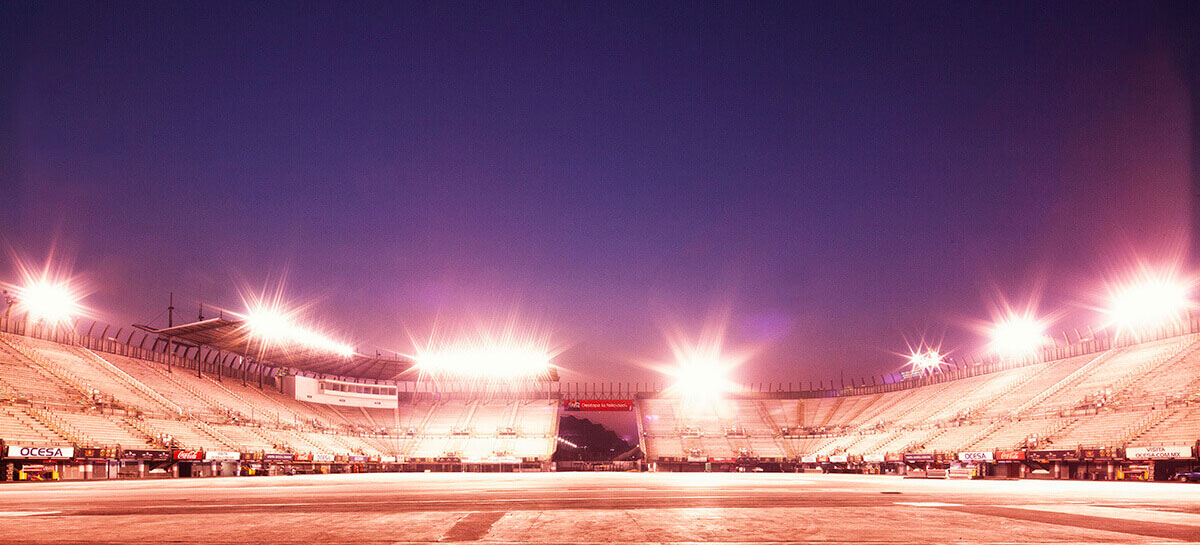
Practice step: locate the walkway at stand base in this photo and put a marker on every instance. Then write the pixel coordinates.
(597, 508)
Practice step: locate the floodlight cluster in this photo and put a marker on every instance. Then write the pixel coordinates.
(277, 328)
(1150, 300)
(47, 294)
(485, 361)
(49, 302)
(507, 353)
(926, 360)
(701, 371)
(1138, 302)
(1017, 336)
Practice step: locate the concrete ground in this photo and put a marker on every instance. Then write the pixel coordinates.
(597, 508)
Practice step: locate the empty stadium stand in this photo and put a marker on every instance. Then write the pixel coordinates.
(1140, 393)
(1136, 394)
(54, 393)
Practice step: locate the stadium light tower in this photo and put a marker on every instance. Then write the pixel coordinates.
(49, 302)
(924, 361)
(495, 354)
(1017, 336)
(1151, 302)
(274, 327)
(702, 366)
(702, 380)
(488, 362)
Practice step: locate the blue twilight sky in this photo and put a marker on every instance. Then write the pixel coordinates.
(828, 179)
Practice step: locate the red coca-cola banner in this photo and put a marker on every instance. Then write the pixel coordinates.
(187, 454)
(598, 404)
(1011, 455)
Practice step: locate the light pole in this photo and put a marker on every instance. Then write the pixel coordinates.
(9, 300)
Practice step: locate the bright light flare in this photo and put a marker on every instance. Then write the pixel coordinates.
(1017, 336)
(702, 380)
(486, 361)
(506, 353)
(1153, 301)
(48, 293)
(275, 327)
(702, 368)
(49, 302)
(926, 361)
(271, 321)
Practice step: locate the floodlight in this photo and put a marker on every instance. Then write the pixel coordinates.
(1017, 336)
(275, 327)
(925, 361)
(269, 324)
(49, 302)
(702, 379)
(483, 361)
(1149, 303)
(500, 352)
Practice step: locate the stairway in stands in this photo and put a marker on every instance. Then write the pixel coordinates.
(57, 382)
(117, 374)
(1067, 381)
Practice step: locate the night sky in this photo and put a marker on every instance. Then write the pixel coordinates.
(827, 180)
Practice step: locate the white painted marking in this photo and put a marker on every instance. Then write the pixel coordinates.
(927, 504)
(1119, 513)
(26, 513)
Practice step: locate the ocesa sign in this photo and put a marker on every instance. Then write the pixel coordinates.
(40, 453)
(975, 457)
(1160, 452)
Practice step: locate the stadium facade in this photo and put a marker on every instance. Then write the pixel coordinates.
(94, 406)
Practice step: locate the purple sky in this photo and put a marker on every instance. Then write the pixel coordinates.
(837, 179)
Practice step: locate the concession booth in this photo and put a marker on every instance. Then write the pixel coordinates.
(1158, 463)
(1097, 464)
(28, 462)
(974, 465)
(1010, 464)
(94, 463)
(142, 463)
(1050, 464)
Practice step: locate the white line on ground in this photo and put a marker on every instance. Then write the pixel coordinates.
(927, 504)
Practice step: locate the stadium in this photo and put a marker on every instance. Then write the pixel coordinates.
(599, 272)
(259, 396)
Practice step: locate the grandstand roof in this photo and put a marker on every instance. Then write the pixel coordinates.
(233, 336)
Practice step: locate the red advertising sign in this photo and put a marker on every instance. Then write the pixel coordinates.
(1011, 455)
(598, 404)
(187, 454)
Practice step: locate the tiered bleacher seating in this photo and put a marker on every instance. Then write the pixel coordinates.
(107, 431)
(94, 374)
(1095, 380)
(245, 437)
(207, 412)
(1091, 400)
(1139, 394)
(1181, 426)
(27, 381)
(1173, 381)
(951, 438)
(1042, 376)
(186, 434)
(1015, 433)
(18, 426)
(1099, 430)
